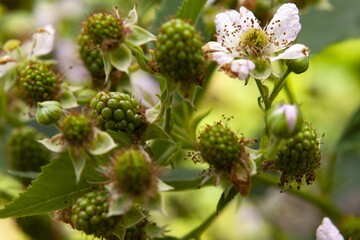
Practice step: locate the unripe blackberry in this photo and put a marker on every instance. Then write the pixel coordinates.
(178, 52)
(299, 157)
(24, 152)
(104, 29)
(38, 82)
(132, 174)
(117, 111)
(77, 130)
(219, 146)
(90, 214)
(90, 55)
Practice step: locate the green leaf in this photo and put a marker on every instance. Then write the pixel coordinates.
(195, 122)
(54, 144)
(350, 138)
(164, 152)
(183, 178)
(107, 64)
(153, 131)
(225, 199)
(9, 187)
(54, 189)
(120, 232)
(167, 10)
(102, 144)
(191, 9)
(132, 217)
(120, 58)
(139, 36)
(122, 139)
(67, 99)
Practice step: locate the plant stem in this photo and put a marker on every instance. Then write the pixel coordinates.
(289, 94)
(320, 201)
(264, 97)
(196, 233)
(279, 85)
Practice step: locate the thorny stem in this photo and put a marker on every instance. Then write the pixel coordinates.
(321, 202)
(279, 85)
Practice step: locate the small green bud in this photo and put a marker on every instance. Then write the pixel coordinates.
(284, 120)
(48, 112)
(298, 65)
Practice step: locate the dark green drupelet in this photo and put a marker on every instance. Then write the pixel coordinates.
(90, 214)
(116, 111)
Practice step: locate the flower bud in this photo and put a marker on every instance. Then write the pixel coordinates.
(284, 120)
(48, 112)
(298, 65)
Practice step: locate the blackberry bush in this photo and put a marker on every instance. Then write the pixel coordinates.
(89, 214)
(299, 157)
(178, 52)
(38, 82)
(117, 111)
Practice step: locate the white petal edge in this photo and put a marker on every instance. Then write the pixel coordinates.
(242, 68)
(42, 41)
(215, 52)
(132, 18)
(327, 231)
(248, 19)
(228, 28)
(293, 52)
(6, 64)
(283, 27)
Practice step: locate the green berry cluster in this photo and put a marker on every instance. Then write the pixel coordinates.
(178, 52)
(299, 157)
(219, 146)
(90, 214)
(116, 111)
(38, 82)
(24, 152)
(104, 29)
(132, 173)
(77, 129)
(90, 55)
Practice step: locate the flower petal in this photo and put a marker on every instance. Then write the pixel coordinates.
(242, 68)
(248, 20)
(327, 231)
(284, 27)
(228, 29)
(215, 52)
(293, 52)
(6, 64)
(42, 41)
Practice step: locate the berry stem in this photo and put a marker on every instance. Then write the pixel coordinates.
(279, 85)
(289, 94)
(265, 99)
(320, 201)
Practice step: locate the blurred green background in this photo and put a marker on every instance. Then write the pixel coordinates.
(329, 95)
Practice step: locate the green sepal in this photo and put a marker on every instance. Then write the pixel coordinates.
(121, 139)
(67, 98)
(139, 36)
(102, 143)
(120, 58)
(120, 232)
(156, 204)
(54, 144)
(78, 159)
(226, 198)
(107, 64)
(120, 206)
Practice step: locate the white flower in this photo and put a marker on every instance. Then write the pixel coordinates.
(244, 49)
(327, 231)
(42, 43)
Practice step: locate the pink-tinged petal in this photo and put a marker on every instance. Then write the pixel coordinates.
(215, 52)
(284, 27)
(327, 231)
(242, 68)
(42, 41)
(293, 52)
(6, 64)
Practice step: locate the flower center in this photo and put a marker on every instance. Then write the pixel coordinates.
(253, 42)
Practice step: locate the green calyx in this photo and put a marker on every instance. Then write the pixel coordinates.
(178, 52)
(117, 111)
(104, 29)
(132, 174)
(299, 158)
(38, 82)
(219, 146)
(77, 130)
(90, 214)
